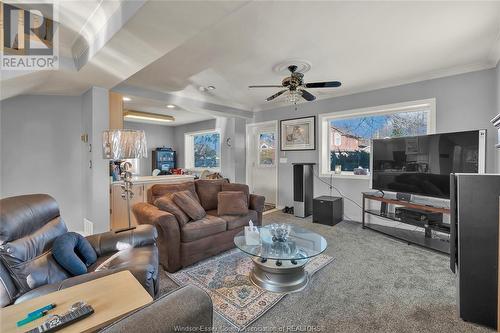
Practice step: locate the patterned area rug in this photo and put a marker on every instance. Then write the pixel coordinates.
(234, 296)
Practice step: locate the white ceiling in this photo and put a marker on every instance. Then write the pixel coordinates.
(181, 115)
(366, 45)
(176, 46)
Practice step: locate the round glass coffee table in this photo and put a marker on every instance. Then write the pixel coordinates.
(279, 261)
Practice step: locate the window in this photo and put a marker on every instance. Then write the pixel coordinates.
(203, 150)
(346, 136)
(267, 149)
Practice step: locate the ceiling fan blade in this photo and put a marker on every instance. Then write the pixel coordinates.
(266, 86)
(307, 95)
(329, 84)
(270, 98)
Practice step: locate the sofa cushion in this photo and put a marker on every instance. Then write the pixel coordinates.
(167, 204)
(234, 222)
(189, 205)
(237, 187)
(232, 203)
(73, 252)
(158, 190)
(209, 225)
(207, 190)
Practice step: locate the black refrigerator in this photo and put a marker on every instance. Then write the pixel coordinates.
(164, 159)
(474, 204)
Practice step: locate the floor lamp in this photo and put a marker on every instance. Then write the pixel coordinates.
(123, 144)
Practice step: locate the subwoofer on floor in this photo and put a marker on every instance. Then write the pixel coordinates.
(303, 178)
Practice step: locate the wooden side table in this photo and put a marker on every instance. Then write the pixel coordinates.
(111, 296)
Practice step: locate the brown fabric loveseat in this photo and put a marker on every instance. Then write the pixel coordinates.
(181, 245)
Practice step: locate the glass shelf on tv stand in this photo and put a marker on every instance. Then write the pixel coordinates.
(407, 230)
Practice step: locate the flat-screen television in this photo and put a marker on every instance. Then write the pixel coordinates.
(422, 164)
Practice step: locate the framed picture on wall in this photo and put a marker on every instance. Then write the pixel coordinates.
(298, 133)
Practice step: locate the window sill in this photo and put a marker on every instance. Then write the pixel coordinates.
(203, 169)
(345, 176)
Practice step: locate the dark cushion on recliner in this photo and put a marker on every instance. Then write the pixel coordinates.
(74, 253)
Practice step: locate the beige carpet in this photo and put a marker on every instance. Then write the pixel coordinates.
(376, 284)
(235, 298)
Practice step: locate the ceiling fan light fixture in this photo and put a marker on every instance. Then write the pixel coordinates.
(294, 96)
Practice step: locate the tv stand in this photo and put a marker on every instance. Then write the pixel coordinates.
(409, 234)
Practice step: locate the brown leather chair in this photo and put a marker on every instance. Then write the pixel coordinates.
(182, 245)
(29, 224)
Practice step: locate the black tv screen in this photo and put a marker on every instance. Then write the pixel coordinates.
(422, 164)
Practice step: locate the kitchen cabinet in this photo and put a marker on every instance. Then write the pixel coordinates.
(141, 186)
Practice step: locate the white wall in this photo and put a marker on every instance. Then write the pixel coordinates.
(41, 151)
(463, 102)
(96, 180)
(156, 136)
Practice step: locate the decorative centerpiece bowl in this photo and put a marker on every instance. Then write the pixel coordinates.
(279, 232)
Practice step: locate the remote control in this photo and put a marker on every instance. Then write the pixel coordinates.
(58, 322)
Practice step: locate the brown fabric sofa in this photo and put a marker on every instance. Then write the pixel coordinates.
(180, 246)
(29, 224)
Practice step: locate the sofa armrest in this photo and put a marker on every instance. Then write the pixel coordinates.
(169, 234)
(186, 309)
(257, 202)
(112, 241)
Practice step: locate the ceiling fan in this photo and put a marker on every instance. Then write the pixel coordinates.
(295, 85)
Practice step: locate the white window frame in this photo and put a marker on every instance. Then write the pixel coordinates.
(189, 149)
(324, 133)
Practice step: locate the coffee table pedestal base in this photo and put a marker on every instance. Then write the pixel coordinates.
(279, 276)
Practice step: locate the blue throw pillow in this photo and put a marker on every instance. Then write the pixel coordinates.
(74, 253)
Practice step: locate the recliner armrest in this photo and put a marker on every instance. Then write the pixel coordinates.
(112, 241)
(257, 202)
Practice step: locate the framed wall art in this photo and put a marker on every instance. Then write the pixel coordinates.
(298, 133)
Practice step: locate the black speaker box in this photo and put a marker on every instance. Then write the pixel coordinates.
(328, 210)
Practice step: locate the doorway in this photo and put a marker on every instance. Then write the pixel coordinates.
(262, 163)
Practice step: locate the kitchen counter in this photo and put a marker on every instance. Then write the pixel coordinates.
(157, 179)
(140, 188)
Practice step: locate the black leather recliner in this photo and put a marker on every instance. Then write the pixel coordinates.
(29, 224)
